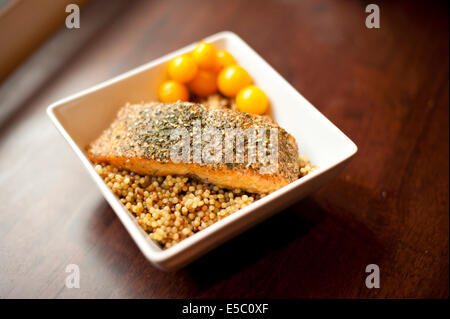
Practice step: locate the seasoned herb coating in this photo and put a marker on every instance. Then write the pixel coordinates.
(139, 140)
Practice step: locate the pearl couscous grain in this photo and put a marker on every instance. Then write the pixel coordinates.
(305, 166)
(218, 101)
(172, 208)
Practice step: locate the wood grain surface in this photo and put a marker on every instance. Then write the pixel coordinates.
(387, 88)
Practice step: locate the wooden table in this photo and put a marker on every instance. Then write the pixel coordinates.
(387, 88)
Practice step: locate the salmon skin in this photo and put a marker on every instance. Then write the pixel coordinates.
(141, 140)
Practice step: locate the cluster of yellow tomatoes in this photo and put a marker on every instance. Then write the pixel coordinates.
(207, 70)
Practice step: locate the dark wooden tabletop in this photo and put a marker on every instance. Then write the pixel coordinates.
(387, 89)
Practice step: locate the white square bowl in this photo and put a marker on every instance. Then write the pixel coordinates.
(82, 117)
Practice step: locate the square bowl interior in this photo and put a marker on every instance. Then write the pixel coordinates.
(82, 117)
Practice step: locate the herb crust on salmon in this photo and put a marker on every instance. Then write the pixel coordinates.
(139, 140)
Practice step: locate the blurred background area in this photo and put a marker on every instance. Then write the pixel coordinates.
(35, 43)
(24, 25)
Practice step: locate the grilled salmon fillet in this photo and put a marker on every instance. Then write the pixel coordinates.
(138, 140)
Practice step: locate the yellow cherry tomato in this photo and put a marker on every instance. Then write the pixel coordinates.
(172, 91)
(205, 55)
(224, 59)
(232, 79)
(204, 84)
(252, 100)
(183, 69)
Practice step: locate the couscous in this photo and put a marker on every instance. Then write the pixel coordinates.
(172, 208)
